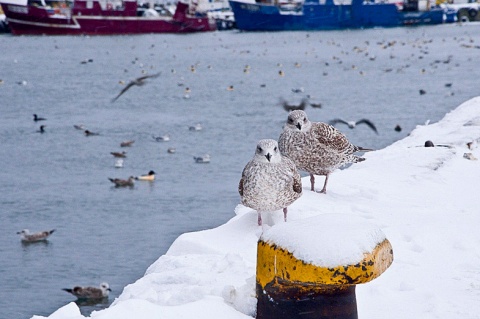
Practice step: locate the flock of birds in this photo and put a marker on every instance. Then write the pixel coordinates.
(271, 181)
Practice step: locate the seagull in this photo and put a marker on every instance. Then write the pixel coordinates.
(270, 181)
(123, 182)
(42, 129)
(89, 133)
(291, 107)
(34, 237)
(127, 143)
(202, 159)
(138, 82)
(90, 292)
(163, 138)
(316, 147)
(119, 154)
(196, 127)
(79, 127)
(36, 118)
(352, 124)
(147, 177)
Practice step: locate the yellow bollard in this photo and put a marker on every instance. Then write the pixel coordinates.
(290, 288)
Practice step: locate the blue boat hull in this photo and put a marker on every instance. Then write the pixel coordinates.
(315, 16)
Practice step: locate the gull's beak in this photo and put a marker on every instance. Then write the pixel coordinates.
(268, 156)
(299, 126)
(109, 289)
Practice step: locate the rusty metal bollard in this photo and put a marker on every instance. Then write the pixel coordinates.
(308, 269)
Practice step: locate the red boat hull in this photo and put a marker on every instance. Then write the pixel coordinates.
(80, 20)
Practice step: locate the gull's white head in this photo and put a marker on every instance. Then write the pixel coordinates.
(298, 121)
(267, 152)
(105, 288)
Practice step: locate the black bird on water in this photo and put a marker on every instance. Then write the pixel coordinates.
(138, 82)
(36, 118)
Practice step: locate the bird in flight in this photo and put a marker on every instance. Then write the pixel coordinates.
(352, 124)
(138, 82)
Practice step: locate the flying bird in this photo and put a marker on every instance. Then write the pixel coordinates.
(90, 292)
(291, 107)
(28, 237)
(138, 82)
(353, 124)
(315, 147)
(269, 181)
(36, 118)
(122, 182)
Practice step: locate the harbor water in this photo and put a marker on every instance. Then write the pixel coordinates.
(59, 179)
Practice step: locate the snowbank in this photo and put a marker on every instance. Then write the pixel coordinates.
(425, 200)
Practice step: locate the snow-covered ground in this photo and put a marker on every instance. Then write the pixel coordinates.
(425, 200)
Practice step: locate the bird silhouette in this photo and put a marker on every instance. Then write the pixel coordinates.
(353, 124)
(36, 118)
(138, 82)
(292, 107)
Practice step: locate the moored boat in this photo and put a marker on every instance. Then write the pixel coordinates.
(100, 17)
(275, 15)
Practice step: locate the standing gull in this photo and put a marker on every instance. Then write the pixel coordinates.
(90, 292)
(315, 147)
(33, 237)
(269, 181)
(353, 124)
(138, 82)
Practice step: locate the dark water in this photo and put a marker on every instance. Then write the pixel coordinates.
(59, 179)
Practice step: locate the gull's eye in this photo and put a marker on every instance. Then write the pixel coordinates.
(275, 149)
(304, 120)
(290, 120)
(259, 149)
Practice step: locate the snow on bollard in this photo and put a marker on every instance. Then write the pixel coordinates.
(309, 268)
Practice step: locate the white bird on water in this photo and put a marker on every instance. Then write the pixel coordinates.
(34, 237)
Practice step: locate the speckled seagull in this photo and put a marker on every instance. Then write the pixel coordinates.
(269, 181)
(315, 147)
(90, 292)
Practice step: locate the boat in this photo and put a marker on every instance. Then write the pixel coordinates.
(3, 22)
(219, 10)
(100, 17)
(275, 15)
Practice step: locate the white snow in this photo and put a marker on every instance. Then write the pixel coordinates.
(424, 200)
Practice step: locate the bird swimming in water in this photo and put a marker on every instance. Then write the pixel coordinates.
(147, 177)
(127, 143)
(89, 133)
(36, 118)
(42, 129)
(315, 147)
(138, 82)
(123, 182)
(119, 154)
(34, 237)
(90, 292)
(353, 124)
